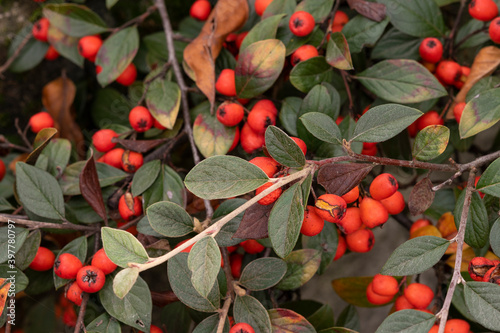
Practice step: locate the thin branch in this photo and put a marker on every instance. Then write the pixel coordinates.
(81, 313)
(22, 134)
(451, 36)
(37, 224)
(463, 40)
(223, 312)
(136, 20)
(14, 55)
(329, 19)
(457, 277)
(8, 145)
(347, 88)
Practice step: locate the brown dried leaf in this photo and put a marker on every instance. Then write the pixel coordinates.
(57, 98)
(129, 201)
(140, 146)
(226, 17)
(372, 10)
(90, 188)
(254, 222)
(163, 298)
(341, 178)
(485, 63)
(421, 197)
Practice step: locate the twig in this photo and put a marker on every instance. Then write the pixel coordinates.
(81, 313)
(164, 149)
(14, 55)
(347, 88)
(215, 228)
(160, 4)
(136, 20)
(451, 36)
(148, 82)
(457, 277)
(447, 181)
(223, 312)
(463, 40)
(329, 19)
(8, 145)
(22, 134)
(38, 224)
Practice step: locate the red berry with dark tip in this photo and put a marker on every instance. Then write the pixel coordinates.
(419, 295)
(90, 279)
(88, 47)
(483, 10)
(40, 29)
(385, 285)
(266, 104)
(260, 119)
(101, 261)
(242, 328)
(129, 207)
(140, 119)
(375, 298)
(251, 246)
(102, 140)
(331, 207)
(360, 241)
(67, 266)
(449, 72)
(250, 140)
(114, 157)
(431, 50)
(312, 224)
(132, 161)
(266, 164)
(230, 114)
(383, 186)
(494, 30)
(301, 23)
(303, 53)
(74, 294)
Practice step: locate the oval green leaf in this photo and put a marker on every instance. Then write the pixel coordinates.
(477, 230)
(6, 247)
(204, 261)
(480, 113)
(124, 281)
(326, 243)
(482, 301)
(265, 29)
(361, 31)
(145, 177)
(322, 127)
(490, 180)
(306, 74)
(104, 324)
(27, 250)
(65, 45)
(163, 99)
(407, 321)
(123, 248)
(74, 20)
(337, 52)
(210, 324)
(283, 149)
(263, 273)
(301, 267)
(495, 237)
(30, 55)
(169, 219)
(249, 310)
(430, 142)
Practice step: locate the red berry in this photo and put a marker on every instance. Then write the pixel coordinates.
(260, 119)
(236, 261)
(403, 304)
(352, 195)
(375, 298)
(69, 317)
(383, 186)
(88, 47)
(271, 197)
(67, 265)
(90, 279)
(483, 10)
(129, 207)
(261, 5)
(200, 10)
(74, 293)
(239, 39)
(230, 114)
(236, 139)
(494, 30)
(394, 204)
(341, 248)
(225, 84)
(140, 119)
(41, 29)
(385, 285)
(114, 157)
(51, 54)
(101, 261)
(102, 140)
(431, 50)
(312, 224)
(250, 140)
(132, 161)
(302, 145)
(153, 329)
(187, 249)
(458, 109)
(2, 170)
(242, 328)
(412, 129)
(303, 53)
(266, 164)
(251, 246)
(372, 212)
(331, 207)
(301, 23)
(419, 295)
(456, 326)
(428, 119)
(360, 241)
(127, 77)
(266, 104)
(351, 221)
(44, 260)
(419, 224)
(449, 72)
(40, 121)
(340, 19)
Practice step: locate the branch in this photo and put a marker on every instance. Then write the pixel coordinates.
(37, 224)
(22, 134)
(463, 40)
(230, 290)
(215, 228)
(14, 55)
(167, 27)
(347, 88)
(223, 312)
(81, 314)
(457, 277)
(136, 20)
(451, 36)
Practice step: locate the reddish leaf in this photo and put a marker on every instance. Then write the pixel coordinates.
(163, 298)
(421, 197)
(372, 10)
(341, 178)
(90, 188)
(140, 146)
(284, 320)
(3, 293)
(199, 56)
(254, 222)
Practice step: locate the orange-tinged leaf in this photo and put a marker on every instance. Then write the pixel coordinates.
(199, 56)
(211, 137)
(284, 321)
(3, 293)
(428, 230)
(446, 224)
(42, 139)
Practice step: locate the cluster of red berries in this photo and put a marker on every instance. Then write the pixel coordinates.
(485, 270)
(382, 289)
(40, 32)
(65, 310)
(453, 326)
(487, 10)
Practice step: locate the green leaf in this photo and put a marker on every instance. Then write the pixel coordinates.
(337, 52)
(495, 237)
(319, 9)
(31, 54)
(210, 324)
(482, 85)
(301, 267)
(322, 318)
(116, 53)
(70, 182)
(322, 127)
(280, 6)
(41, 141)
(490, 179)
(415, 256)
(480, 113)
(21, 280)
(383, 122)
(163, 99)
(249, 310)
(145, 177)
(430, 142)
(101, 112)
(265, 29)
(65, 45)
(326, 243)
(78, 248)
(169, 219)
(122, 247)
(306, 74)
(477, 230)
(39, 191)
(349, 318)
(323, 98)
(7, 233)
(168, 186)
(416, 18)
(283, 149)
(258, 67)
(124, 281)
(285, 220)
(262, 273)
(407, 321)
(361, 31)
(290, 107)
(110, 3)
(28, 250)
(179, 277)
(204, 261)
(483, 302)
(58, 152)
(284, 320)
(221, 177)
(104, 324)
(74, 20)
(401, 81)
(479, 37)
(395, 44)
(134, 309)
(211, 136)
